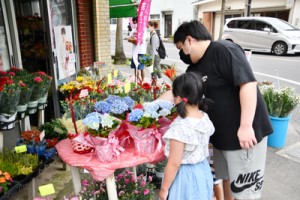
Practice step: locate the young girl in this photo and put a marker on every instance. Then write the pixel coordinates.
(187, 174)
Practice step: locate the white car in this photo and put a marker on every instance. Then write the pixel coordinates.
(263, 34)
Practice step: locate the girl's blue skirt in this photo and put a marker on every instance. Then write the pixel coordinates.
(192, 182)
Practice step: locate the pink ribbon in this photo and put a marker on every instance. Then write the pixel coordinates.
(157, 135)
(114, 143)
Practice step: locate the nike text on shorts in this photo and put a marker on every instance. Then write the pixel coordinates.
(244, 168)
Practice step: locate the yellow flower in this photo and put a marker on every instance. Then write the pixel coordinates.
(79, 78)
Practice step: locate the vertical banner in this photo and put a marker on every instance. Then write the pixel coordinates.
(143, 17)
(64, 51)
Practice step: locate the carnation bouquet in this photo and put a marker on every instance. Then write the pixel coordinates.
(10, 95)
(41, 85)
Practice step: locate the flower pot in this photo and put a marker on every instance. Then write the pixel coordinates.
(43, 99)
(32, 107)
(150, 69)
(6, 118)
(21, 109)
(160, 174)
(280, 126)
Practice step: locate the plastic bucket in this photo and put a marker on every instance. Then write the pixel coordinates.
(280, 127)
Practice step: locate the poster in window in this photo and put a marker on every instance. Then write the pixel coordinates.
(64, 51)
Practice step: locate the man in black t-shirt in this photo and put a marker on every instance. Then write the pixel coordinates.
(239, 113)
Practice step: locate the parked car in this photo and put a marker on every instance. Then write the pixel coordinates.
(263, 34)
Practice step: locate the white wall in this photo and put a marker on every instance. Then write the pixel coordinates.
(181, 10)
(296, 14)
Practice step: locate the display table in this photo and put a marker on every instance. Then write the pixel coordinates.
(103, 170)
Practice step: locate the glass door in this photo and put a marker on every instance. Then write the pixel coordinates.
(5, 41)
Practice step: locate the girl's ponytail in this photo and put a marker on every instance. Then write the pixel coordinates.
(181, 109)
(204, 103)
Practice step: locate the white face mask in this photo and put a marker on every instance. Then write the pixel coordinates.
(149, 29)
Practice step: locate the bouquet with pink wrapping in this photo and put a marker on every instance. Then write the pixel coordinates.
(109, 151)
(145, 140)
(106, 149)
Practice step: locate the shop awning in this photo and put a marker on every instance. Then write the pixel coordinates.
(122, 8)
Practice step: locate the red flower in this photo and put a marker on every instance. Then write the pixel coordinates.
(146, 86)
(38, 79)
(3, 73)
(11, 73)
(41, 73)
(22, 84)
(139, 106)
(13, 68)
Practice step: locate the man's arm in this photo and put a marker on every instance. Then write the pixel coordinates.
(248, 101)
(167, 96)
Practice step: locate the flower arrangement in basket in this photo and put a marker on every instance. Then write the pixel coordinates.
(5, 181)
(146, 59)
(280, 101)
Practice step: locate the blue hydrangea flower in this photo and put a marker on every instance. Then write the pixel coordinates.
(151, 106)
(164, 112)
(152, 114)
(165, 104)
(118, 107)
(135, 115)
(112, 98)
(92, 120)
(106, 120)
(129, 101)
(102, 107)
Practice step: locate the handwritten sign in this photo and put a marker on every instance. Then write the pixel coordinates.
(42, 135)
(115, 73)
(46, 190)
(21, 149)
(109, 78)
(127, 87)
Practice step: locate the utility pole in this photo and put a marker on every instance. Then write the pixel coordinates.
(247, 8)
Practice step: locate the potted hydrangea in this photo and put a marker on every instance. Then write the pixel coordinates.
(280, 102)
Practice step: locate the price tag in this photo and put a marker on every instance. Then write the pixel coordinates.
(42, 135)
(46, 190)
(127, 87)
(21, 149)
(109, 78)
(115, 73)
(83, 93)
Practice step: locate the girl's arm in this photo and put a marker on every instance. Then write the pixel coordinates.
(174, 162)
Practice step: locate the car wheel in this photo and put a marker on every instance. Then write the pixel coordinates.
(279, 48)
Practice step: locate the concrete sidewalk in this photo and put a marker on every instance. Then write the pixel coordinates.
(281, 182)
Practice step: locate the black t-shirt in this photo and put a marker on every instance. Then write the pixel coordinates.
(226, 67)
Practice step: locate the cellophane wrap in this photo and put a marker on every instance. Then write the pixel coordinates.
(106, 149)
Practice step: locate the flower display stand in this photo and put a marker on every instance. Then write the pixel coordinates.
(103, 170)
